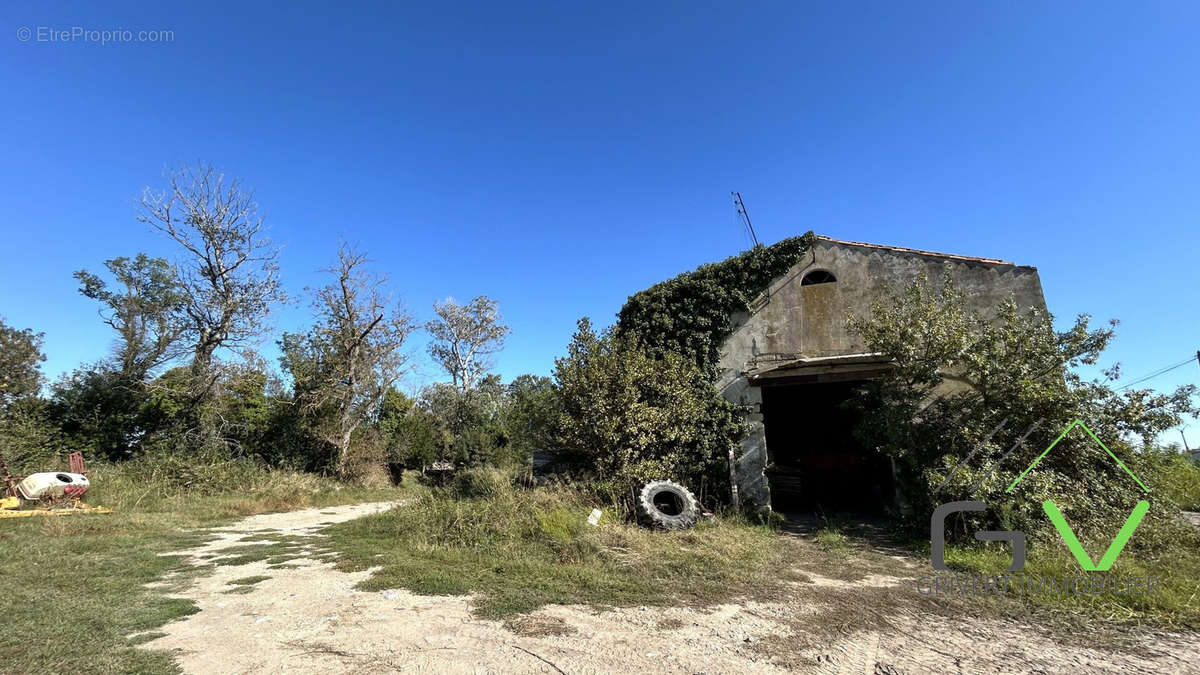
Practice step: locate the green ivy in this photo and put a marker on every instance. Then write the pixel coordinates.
(690, 314)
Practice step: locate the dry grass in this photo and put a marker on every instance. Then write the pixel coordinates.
(539, 626)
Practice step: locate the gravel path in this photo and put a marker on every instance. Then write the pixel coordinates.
(310, 618)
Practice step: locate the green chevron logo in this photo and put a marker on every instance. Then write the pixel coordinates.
(1065, 531)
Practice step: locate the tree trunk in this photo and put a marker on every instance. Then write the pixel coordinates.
(342, 467)
(202, 360)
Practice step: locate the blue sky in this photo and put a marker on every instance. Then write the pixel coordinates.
(562, 157)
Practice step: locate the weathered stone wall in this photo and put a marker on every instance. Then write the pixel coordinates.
(793, 321)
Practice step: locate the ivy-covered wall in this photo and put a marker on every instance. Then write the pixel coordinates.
(690, 314)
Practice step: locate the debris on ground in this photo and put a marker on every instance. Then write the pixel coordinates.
(60, 492)
(440, 472)
(50, 485)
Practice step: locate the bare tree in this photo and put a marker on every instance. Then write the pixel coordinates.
(145, 308)
(350, 359)
(464, 337)
(230, 274)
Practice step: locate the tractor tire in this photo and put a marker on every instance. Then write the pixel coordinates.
(667, 505)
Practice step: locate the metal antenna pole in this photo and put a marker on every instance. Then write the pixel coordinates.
(745, 215)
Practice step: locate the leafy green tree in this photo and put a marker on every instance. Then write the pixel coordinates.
(473, 419)
(416, 437)
(20, 363)
(105, 413)
(246, 396)
(628, 417)
(102, 410)
(289, 441)
(29, 440)
(145, 309)
(967, 387)
(29, 437)
(530, 415)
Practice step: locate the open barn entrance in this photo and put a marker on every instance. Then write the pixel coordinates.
(816, 463)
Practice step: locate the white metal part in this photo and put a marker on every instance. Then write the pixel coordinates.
(51, 484)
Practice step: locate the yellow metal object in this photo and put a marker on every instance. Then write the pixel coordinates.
(78, 508)
(9, 502)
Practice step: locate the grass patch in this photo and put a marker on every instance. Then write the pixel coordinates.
(249, 581)
(1177, 567)
(274, 550)
(832, 540)
(102, 563)
(142, 638)
(519, 550)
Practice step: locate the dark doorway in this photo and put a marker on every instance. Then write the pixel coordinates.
(816, 462)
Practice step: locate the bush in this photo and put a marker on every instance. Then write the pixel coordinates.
(473, 433)
(628, 418)
(106, 414)
(367, 459)
(530, 413)
(1173, 475)
(481, 483)
(415, 436)
(29, 441)
(965, 388)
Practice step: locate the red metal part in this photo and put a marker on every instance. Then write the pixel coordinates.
(74, 491)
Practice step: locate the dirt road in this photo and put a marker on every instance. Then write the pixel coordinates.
(305, 616)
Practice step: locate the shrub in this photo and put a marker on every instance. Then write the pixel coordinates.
(1173, 475)
(481, 483)
(530, 412)
(29, 440)
(1010, 371)
(105, 413)
(367, 458)
(415, 436)
(473, 430)
(627, 417)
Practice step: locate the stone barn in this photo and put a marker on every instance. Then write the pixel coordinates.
(789, 360)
